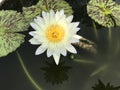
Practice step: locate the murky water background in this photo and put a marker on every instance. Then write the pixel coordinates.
(80, 73)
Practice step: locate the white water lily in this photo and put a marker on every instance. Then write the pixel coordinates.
(55, 33)
(1, 1)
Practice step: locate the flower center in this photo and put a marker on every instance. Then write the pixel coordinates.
(55, 33)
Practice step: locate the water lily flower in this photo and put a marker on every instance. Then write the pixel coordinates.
(104, 12)
(55, 33)
(1, 1)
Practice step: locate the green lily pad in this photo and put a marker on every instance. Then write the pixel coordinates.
(11, 22)
(116, 14)
(104, 12)
(9, 42)
(31, 12)
(55, 5)
(45, 5)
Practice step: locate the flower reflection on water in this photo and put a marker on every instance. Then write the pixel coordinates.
(56, 74)
(102, 86)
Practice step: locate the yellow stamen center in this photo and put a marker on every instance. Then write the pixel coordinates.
(55, 33)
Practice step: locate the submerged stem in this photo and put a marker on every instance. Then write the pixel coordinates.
(95, 29)
(27, 73)
(109, 34)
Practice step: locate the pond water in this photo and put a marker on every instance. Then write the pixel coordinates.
(81, 72)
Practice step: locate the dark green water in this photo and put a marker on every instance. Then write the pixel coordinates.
(81, 74)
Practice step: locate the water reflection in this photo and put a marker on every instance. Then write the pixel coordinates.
(56, 74)
(102, 86)
(105, 64)
(107, 59)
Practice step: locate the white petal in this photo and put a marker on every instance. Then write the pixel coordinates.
(43, 14)
(63, 52)
(76, 24)
(77, 37)
(35, 26)
(56, 16)
(74, 40)
(32, 33)
(40, 50)
(77, 29)
(49, 52)
(45, 17)
(40, 22)
(34, 41)
(60, 16)
(36, 21)
(71, 49)
(61, 12)
(69, 19)
(51, 16)
(52, 12)
(56, 58)
(73, 29)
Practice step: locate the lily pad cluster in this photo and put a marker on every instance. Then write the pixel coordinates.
(46, 5)
(104, 12)
(11, 22)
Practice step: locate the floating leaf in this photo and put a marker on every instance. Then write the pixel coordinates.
(116, 14)
(11, 22)
(56, 5)
(104, 12)
(31, 12)
(45, 5)
(9, 42)
(87, 45)
(102, 86)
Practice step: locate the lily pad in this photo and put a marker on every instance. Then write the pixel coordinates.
(104, 12)
(56, 5)
(116, 14)
(45, 5)
(11, 22)
(31, 12)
